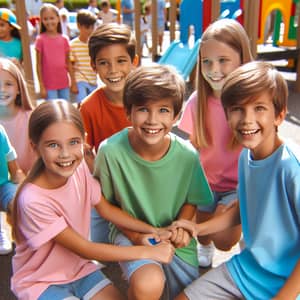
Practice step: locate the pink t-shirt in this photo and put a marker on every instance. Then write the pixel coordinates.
(17, 131)
(43, 214)
(53, 52)
(220, 164)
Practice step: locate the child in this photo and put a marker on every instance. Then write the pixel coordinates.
(255, 102)
(15, 110)
(146, 26)
(93, 7)
(52, 213)
(85, 77)
(127, 7)
(224, 47)
(52, 56)
(10, 43)
(106, 14)
(156, 177)
(112, 49)
(10, 175)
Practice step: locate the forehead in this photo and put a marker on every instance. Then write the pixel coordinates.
(213, 47)
(6, 75)
(112, 51)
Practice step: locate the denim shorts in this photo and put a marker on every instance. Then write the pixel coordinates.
(84, 288)
(7, 193)
(59, 94)
(84, 89)
(225, 198)
(178, 274)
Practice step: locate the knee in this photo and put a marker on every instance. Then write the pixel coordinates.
(148, 281)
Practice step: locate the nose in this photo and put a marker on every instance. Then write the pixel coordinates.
(151, 117)
(64, 152)
(247, 116)
(112, 67)
(215, 67)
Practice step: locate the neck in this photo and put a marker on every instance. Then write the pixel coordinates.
(114, 97)
(7, 112)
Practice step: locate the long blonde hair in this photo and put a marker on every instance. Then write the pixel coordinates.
(41, 118)
(231, 33)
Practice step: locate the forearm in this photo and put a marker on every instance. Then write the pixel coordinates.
(221, 222)
(121, 218)
(187, 212)
(291, 288)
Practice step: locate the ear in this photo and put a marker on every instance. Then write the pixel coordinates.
(93, 65)
(135, 61)
(34, 147)
(280, 118)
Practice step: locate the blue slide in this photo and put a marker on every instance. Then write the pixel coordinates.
(181, 56)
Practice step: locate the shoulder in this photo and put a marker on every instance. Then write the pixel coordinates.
(290, 156)
(184, 146)
(92, 99)
(115, 142)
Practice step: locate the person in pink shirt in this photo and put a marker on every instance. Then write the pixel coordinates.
(224, 47)
(54, 69)
(51, 217)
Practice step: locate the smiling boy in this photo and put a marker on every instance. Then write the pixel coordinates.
(255, 101)
(155, 176)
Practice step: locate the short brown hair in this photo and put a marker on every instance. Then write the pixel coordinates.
(249, 81)
(154, 82)
(86, 18)
(112, 33)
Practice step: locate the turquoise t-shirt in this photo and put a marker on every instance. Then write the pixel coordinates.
(11, 49)
(153, 191)
(269, 197)
(7, 153)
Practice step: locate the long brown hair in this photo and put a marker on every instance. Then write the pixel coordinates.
(231, 33)
(41, 118)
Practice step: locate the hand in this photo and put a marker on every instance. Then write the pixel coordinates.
(187, 225)
(43, 92)
(162, 252)
(89, 156)
(180, 238)
(19, 176)
(74, 88)
(164, 233)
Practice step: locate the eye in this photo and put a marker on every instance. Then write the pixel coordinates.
(260, 108)
(223, 60)
(122, 60)
(205, 61)
(235, 109)
(75, 142)
(102, 63)
(52, 145)
(164, 110)
(142, 109)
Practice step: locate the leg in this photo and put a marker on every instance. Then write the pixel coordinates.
(108, 293)
(216, 284)
(146, 283)
(99, 228)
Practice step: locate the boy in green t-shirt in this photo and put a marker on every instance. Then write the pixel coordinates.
(155, 176)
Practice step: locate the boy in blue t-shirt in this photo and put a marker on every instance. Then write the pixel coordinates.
(155, 176)
(10, 175)
(254, 98)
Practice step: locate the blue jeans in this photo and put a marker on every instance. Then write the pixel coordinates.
(84, 89)
(7, 193)
(99, 228)
(58, 94)
(84, 288)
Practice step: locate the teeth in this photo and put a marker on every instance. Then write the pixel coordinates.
(66, 164)
(115, 80)
(248, 132)
(152, 131)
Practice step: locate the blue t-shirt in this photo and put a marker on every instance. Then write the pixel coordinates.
(11, 49)
(269, 196)
(7, 153)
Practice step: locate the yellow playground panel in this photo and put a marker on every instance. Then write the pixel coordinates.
(287, 9)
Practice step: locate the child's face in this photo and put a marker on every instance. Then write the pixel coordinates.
(5, 30)
(61, 148)
(113, 64)
(217, 61)
(151, 122)
(85, 31)
(50, 20)
(254, 125)
(9, 89)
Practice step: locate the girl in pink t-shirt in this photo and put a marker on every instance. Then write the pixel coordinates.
(51, 217)
(224, 46)
(52, 56)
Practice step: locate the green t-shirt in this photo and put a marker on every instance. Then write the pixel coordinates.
(153, 191)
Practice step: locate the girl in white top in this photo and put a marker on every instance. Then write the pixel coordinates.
(51, 217)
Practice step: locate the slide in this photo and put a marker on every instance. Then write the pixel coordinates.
(181, 56)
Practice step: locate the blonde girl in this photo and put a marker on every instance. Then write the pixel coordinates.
(52, 56)
(51, 216)
(224, 47)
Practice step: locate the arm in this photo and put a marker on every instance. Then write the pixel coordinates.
(290, 289)
(72, 74)
(120, 218)
(221, 222)
(16, 173)
(181, 237)
(74, 242)
(43, 92)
